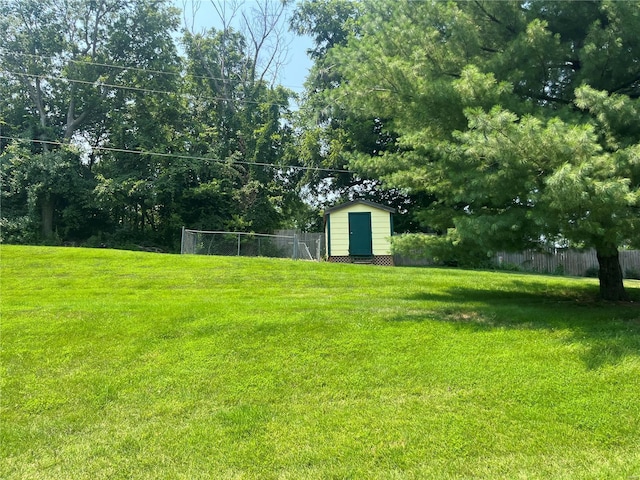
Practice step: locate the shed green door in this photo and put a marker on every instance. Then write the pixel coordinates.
(360, 239)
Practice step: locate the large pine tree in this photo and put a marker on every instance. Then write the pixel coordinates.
(520, 117)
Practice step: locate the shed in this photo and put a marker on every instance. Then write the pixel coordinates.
(359, 232)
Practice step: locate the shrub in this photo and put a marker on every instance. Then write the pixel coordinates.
(632, 273)
(559, 270)
(592, 272)
(509, 267)
(449, 250)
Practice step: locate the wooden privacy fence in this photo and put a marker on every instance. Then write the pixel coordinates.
(566, 262)
(559, 262)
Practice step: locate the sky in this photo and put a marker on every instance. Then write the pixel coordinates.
(293, 73)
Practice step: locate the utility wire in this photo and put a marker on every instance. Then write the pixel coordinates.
(124, 67)
(98, 83)
(180, 156)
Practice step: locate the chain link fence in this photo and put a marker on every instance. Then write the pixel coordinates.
(284, 244)
(311, 245)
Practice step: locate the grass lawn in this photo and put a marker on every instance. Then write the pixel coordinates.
(134, 365)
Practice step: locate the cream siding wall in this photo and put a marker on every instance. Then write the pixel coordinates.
(380, 230)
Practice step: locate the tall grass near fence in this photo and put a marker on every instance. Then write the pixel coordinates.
(146, 366)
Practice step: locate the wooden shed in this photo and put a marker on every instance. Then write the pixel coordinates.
(359, 232)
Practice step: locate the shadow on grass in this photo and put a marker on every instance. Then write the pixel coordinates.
(610, 331)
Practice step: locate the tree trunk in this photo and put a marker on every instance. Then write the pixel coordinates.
(47, 217)
(610, 275)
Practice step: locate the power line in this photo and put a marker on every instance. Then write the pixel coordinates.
(180, 156)
(98, 83)
(121, 67)
(124, 67)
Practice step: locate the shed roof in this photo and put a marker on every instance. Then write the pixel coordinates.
(361, 202)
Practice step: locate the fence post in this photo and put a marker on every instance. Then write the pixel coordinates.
(238, 245)
(182, 242)
(295, 246)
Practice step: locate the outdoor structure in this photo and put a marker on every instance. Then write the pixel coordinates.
(359, 232)
(282, 244)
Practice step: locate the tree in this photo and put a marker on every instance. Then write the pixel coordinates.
(330, 135)
(240, 118)
(262, 27)
(145, 124)
(44, 195)
(69, 64)
(518, 119)
(45, 47)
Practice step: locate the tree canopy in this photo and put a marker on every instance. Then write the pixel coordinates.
(499, 125)
(519, 119)
(331, 134)
(119, 125)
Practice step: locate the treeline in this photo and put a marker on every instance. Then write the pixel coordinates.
(118, 125)
(512, 124)
(494, 125)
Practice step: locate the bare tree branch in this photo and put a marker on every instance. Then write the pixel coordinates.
(222, 7)
(266, 30)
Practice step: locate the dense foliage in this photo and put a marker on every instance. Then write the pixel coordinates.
(518, 121)
(498, 125)
(330, 134)
(118, 126)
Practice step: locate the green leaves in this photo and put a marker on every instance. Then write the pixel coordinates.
(616, 116)
(481, 89)
(521, 118)
(51, 190)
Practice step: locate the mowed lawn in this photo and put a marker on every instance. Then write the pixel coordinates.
(119, 364)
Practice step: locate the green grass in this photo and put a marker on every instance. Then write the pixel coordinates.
(147, 366)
